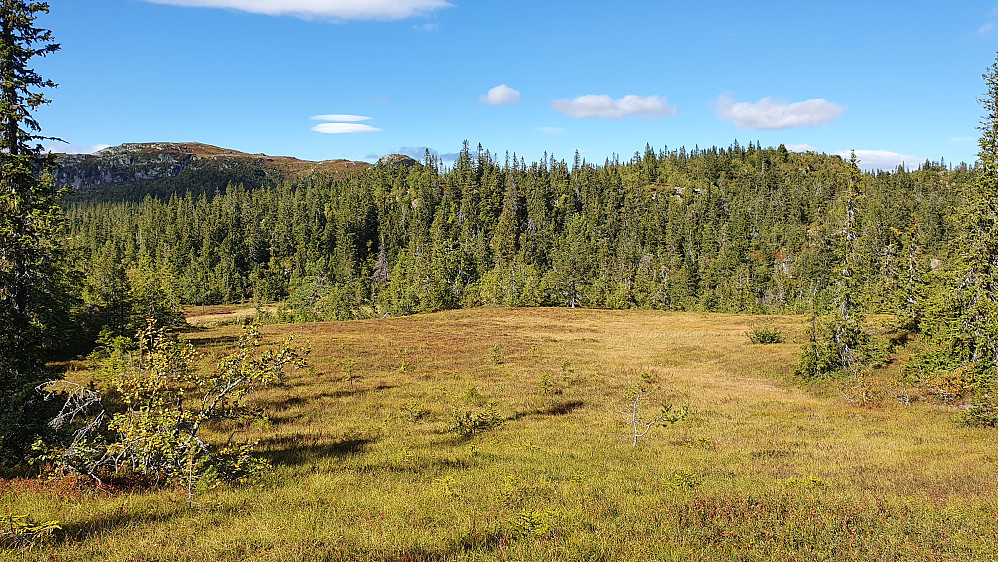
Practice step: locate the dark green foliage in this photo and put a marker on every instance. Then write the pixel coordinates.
(34, 307)
(736, 230)
(766, 334)
(961, 318)
(984, 411)
(467, 422)
(837, 346)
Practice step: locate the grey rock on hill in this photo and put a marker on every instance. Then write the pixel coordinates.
(135, 169)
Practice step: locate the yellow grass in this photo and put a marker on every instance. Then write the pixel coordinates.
(214, 315)
(762, 468)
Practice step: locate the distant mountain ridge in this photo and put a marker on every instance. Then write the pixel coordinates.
(134, 170)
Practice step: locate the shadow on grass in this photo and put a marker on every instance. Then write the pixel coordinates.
(480, 542)
(419, 467)
(106, 523)
(284, 403)
(293, 450)
(356, 391)
(212, 340)
(556, 409)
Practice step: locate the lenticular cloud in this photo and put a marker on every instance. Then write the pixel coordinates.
(333, 9)
(346, 124)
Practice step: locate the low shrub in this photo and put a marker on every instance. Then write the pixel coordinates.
(766, 335)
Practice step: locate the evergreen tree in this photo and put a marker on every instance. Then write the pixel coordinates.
(839, 342)
(30, 218)
(963, 320)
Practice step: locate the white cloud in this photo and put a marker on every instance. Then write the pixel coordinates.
(550, 130)
(70, 148)
(336, 117)
(341, 128)
(801, 148)
(427, 27)
(605, 107)
(501, 95)
(872, 160)
(334, 9)
(986, 28)
(961, 139)
(768, 113)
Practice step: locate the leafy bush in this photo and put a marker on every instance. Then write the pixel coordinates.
(766, 334)
(164, 404)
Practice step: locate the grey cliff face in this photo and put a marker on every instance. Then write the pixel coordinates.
(122, 164)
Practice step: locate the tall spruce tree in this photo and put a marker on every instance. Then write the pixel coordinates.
(30, 218)
(838, 342)
(965, 320)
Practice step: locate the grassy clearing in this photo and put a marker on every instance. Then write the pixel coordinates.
(366, 466)
(219, 314)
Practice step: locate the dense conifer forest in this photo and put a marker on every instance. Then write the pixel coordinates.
(737, 229)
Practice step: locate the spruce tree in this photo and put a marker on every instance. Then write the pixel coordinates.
(838, 343)
(30, 218)
(964, 318)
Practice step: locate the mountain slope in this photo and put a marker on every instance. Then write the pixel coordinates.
(134, 170)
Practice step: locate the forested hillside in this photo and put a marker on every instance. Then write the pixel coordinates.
(722, 229)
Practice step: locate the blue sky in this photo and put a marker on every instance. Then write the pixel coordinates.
(356, 79)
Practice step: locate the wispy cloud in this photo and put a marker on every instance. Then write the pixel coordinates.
(872, 160)
(768, 113)
(334, 9)
(961, 139)
(501, 95)
(427, 27)
(342, 128)
(605, 107)
(70, 148)
(340, 117)
(989, 27)
(550, 130)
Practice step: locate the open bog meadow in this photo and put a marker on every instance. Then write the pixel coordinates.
(497, 434)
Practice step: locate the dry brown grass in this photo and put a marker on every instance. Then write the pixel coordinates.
(763, 468)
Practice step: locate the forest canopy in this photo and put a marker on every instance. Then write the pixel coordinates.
(742, 229)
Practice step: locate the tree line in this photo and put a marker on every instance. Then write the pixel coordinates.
(736, 229)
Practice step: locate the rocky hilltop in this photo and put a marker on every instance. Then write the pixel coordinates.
(134, 170)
